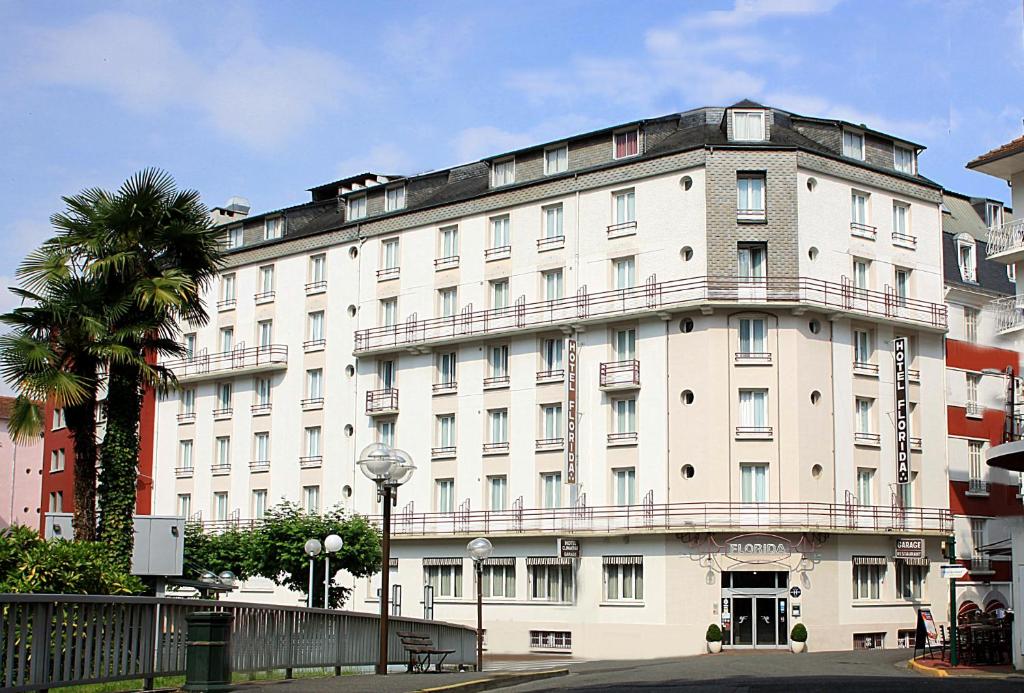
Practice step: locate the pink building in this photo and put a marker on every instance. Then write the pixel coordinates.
(21, 470)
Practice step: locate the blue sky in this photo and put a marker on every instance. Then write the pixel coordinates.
(266, 99)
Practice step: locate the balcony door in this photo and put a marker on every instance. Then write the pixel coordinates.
(751, 264)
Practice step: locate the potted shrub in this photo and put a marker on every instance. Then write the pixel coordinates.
(714, 638)
(798, 638)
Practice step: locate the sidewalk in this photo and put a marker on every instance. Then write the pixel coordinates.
(465, 682)
(940, 667)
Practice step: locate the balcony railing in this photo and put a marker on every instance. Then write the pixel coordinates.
(311, 461)
(863, 438)
(184, 472)
(222, 413)
(445, 387)
(551, 375)
(252, 359)
(256, 466)
(382, 401)
(625, 228)
(865, 368)
(443, 263)
(187, 418)
(220, 469)
(314, 345)
(311, 403)
(759, 357)
(264, 297)
(388, 273)
(260, 409)
(981, 564)
(550, 242)
(620, 375)
(1009, 236)
(227, 304)
(654, 296)
(863, 230)
(316, 287)
(496, 381)
(915, 443)
(626, 438)
(754, 432)
(550, 443)
(974, 409)
(442, 451)
(979, 486)
(904, 239)
(495, 448)
(1009, 313)
(499, 253)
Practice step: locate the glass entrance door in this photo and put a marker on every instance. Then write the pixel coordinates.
(742, 621)
(767, 620)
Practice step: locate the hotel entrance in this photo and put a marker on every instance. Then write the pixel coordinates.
(755, 608)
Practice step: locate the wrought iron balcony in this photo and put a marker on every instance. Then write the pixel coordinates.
(835, 298)
(443, 451)
(184, 472)
(625, 438)
(311, 461)
(754, 357)
(974, 409)
(256, 466)
(314, 345)
(981, 564)
(625, 228)
(865, 438)
(227, 304)
(1009, 313)
(754, 432)
(904, 239)
(978, 486)
(264, 297)
(237, 361)
(388, 273)
(317, 287)
(446, 387)
(382, 401)
(222, 413)
(312, 403)
(863, 230)
(499, 253)
(443, 263)
(550, 243)
(620, 375)
(187, 417)
(260, 409)
(496, 381)
(496, 448)
(220, 469)
(550, 443)
(551, 376)
(865, 368)
(1006, 242)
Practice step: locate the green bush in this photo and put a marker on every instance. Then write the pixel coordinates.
(799, 633)
(29, 565)
(714, 633)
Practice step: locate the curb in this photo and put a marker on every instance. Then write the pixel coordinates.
(498, 681)
(926, 670)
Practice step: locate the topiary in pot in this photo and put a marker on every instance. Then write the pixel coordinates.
(798, 636)
(714, 638)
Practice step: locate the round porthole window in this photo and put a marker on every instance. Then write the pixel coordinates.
(814, 326)
(686, 182)
(687, 397)
(687, 471)
(686, 325)
(812, 183)
(352, 311)
(812, 253)
(349, 430)
(353, 252)
(350, 370)
(816, 471)
(815, 397)
(346, 491)
(686, 253)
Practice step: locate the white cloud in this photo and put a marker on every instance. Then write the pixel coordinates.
(249, 90)
(386, 158)
(746, 12)
(472, 144)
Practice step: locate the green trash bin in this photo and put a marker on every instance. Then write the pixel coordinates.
(208, 653)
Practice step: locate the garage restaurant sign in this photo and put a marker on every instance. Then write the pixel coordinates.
(757, 548)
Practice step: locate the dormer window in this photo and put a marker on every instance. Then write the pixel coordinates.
(626, 143)
(903, 159)
(556, 159)
(273, 228)
(853, 144)
(235, 237)
(748, 126)
(966, 258)
(357, 207)
(503, 172)
(394, 198)
(993, 214)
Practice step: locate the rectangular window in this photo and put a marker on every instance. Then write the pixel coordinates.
(627, 143)
(862, 347)
(859, 208)
(56, 501)
(993, 214)
(386, 432)
(356, 207)
(220, 506)
(501, 228)
(552, 583)
(853, 144)
(553, 285)
(498, 361)
(389, 312)
(446, 580)
(185, 505)
(498, 581)
(266, 284)
(624, 415)
(910, 580)
(235, 236)
(446, 368)
(224, 451)
(394, 198)
(623, 582)
(975, 461)
(748, 126)
(499, 425)
(227, 288)
(901, 220)
(977, 536)
(449, 300)
(315, 383)
(224, 392)
(386, 374)
(625, 345)
(754, 483)
(188, 401)
(318, 269)
(968, 266)
(624, 270)
(389, 254)
(313, 441)
(624, 203)
(752, 336)
(624, 484)
(57, 460)
(865, 485)
(862, 410)
(265, 332)
(499, 293)
(497, 492)
(261, 446)
(973, 382)
(185, 454)
(551, 489)
(971, 316)
(750, 196)
(446, 431)
(861, 275)
(449, 240)
(551, 354)
(311, 499)
(503, 172)
(190, 345)
(262, 391)
(273, 228)
(259, 503)
(316, 326)
(444, 495)
(556, 159)
(553, 221)
(751, 259)
(754, 409)
(227, 339)
(902, 286)
(903, 159)
(867, 580)
(552, 421)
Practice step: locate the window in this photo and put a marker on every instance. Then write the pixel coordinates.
(224, 451)
(503, 172)
(748, 126)
(853, 144)
(553, 221)
(861, 274)
(389, 311)
(859, 208)
(227, 288)
(623, 581)
(499, 580)
(266, 279)
(624, 415)
(265, 332)
(315, 383)
(449, 242)
(552, 583)
(556, 159)
(188, 401)
(185, 505)
(390, 254)
(971, 316)
(754, 409)
(902, 286)
(868, 578)
(754, 483)
(965, 254)
(259, 503)
(444, 495)
(313, 441)
(273, 228)
(446, 431)
(973, 381)
(220, 506)
(356, 207)
(235, 237)
(56, 502)
(625, 345)
(185, 454)
(627, 143)
(224, 392)
(311, 499)
(752, 336)
(58, 419)
(624, 270)
(262, 392)
(316, 326)
(551, 639)
(751, 261)
(497, 492)
(449, 299)
(394, 198)
(227, 338)
(446, 580)
(553, 286)
(318, 269)
(901, 221)
(500, 231)
(975, 464)
(865, 485)
(750, 196)
(57, 460)
(977, 536)
(386, 373)
(261, 446)
(862, 411)
(499, 425)
(499, 293)
(993, 214)
(862, 347)
(903, 159)
(498, 362)
(190, 345)
(551, 421)
(624, 484)
(551, 489)
(386, 432)
(551, 354)
(910, 580)
(624, 203)
(907, 491)
(446, 365)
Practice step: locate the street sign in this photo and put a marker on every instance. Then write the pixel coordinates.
(569, 548)
(952, 572)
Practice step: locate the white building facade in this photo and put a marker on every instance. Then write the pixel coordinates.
(723, 288)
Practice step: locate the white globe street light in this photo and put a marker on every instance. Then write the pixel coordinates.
(312, 549)
(479, 550)
(332, 544)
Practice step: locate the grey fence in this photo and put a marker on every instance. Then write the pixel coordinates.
(48, 641)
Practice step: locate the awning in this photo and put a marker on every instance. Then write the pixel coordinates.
(442, 561)
(548, 560)
(622, 560)
(393, 563)
(869, 560)
(914, 561)
(501, 560)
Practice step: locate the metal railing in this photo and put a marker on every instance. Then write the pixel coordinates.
(754, 432)
(904, 238)
(550, 443)
(270, 356)
(622, 229)
(619, 374)
(550, 242)
(865, 438)
(1009, 312)
(625, 438)
(498, 253)
(448, 262)
(551, 375)
(863, 230)
(977, 486)
(311, 461)
(48, 641)
(655, 296)
(1008, 236)
(316, 287)
(381, 401)
(753, 357)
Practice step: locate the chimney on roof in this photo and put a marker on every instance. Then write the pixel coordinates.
(236, 208)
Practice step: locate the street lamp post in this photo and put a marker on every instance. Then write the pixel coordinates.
(312, 549)
(389, 468)
(332, 544)
(479, 550)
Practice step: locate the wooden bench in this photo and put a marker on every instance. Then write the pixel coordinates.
(421, 649)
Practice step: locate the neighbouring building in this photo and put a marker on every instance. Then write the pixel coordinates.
(722, 286)
(21, 467)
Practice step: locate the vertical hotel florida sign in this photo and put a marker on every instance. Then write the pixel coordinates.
(899, 346)
(570, 399)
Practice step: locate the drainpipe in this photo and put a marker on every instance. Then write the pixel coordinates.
(668, 428)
